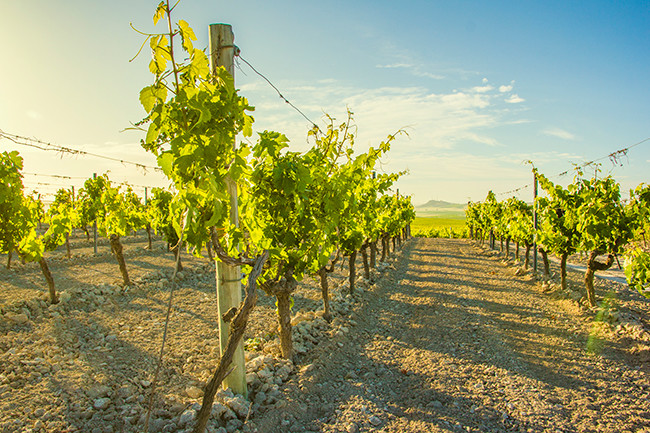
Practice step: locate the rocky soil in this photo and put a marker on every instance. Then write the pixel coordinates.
(449, 337)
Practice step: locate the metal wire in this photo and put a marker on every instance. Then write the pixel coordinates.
(43, 145)
(280, 93)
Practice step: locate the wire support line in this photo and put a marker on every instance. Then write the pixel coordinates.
(31, 184)
(516, 190)
(58, 176)
(43, 145)
(47, 184)
(279, 93)
(614, 157)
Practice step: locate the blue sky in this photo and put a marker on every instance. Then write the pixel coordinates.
(479, 86)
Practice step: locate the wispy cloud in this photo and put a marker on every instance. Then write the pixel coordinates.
(482, 89)
(514, 99)
(505, 89)
(435, 120)
(413, 69)
(395, 66)
(559, 133)
(431, 75)
(450, 121)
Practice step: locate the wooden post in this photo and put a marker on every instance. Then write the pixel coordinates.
(535, 222)
(95, 227)
(229, 293)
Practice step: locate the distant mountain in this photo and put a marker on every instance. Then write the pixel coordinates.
(441, 204)
(442, 209)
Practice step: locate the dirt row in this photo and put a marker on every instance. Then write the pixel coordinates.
(448, 337)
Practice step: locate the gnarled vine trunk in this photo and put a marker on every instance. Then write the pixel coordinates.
(517, 252)
(54, 299)
(150, 246)
(237, 328)
(352, 269)
(547, 269)
(527, 262)
(366, 265)
(592, 266)
(177, 257)
(324, 288)
(283, 295)
(116, 247)
(563, 259)
(384, 248)
(373, 254)
(208, 246)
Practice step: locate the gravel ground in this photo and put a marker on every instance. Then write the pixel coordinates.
(450, 337)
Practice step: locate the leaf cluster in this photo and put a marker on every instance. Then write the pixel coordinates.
(300, 206)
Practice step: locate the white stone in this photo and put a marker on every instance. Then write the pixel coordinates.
(98, 391)
(352, 428)
(101, 403)
(283, 372)
(17, 318)
(255, 363)
(239, 405)
(194, 392)
(218, 410)
(187, 417)
(264, 374)
(260, 398)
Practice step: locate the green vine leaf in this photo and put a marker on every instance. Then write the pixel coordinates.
(161, 10)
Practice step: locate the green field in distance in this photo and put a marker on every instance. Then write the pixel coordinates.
(428, 223)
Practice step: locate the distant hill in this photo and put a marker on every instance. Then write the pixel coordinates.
(441, 204)
(439, 208)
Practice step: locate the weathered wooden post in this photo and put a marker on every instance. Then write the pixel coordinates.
(229, 294)
(95, 227)
(535, 222)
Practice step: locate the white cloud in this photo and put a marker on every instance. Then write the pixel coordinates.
(482, 139)
(429, 75)
(482, 89)
(514, 99)
(433, 120)
(395, 65)
(413, 69)
(441, 121)
(485, 80)
(559, 133)
(507, 88)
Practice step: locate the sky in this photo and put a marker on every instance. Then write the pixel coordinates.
(481, 87)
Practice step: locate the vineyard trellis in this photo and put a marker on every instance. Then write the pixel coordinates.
(588, 216)
(299, 210)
